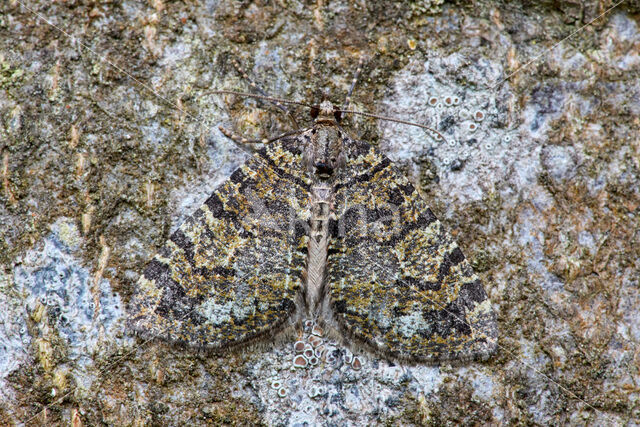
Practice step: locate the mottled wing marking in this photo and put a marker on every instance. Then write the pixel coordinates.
(398, 282)
(232, 270)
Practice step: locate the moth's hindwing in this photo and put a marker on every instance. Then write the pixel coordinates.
(232, 270)
(397, 280)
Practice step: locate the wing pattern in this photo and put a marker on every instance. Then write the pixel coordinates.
(232, 271)
(397, 281)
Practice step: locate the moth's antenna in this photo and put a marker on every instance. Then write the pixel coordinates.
(535, 58)
(255, 86)
(263, 97)
(302, 104)
(353, 83)
(391, 119)
(242, 140)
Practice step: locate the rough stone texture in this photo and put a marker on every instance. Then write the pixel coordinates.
(106, 144)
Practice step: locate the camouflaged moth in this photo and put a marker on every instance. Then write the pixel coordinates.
(317, 225)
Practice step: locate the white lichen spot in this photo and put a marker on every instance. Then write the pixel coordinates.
(308, 353)
(356, 364)
(276, 384)
(348, 356)
(313, 392)
(319, 351)
(217, 314)
(316, 391)
(300, 361)
(315, 341)
(409, 325)
(299, 346)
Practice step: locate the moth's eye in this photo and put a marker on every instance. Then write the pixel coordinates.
(314, 112)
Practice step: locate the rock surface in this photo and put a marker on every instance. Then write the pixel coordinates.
(108, 141)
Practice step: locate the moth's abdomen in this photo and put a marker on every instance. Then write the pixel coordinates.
(320, 202)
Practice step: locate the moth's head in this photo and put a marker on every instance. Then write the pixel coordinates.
(326, 113)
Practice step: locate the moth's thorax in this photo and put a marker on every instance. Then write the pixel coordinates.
(324, 153)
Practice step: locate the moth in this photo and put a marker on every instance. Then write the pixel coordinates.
(317, 225)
